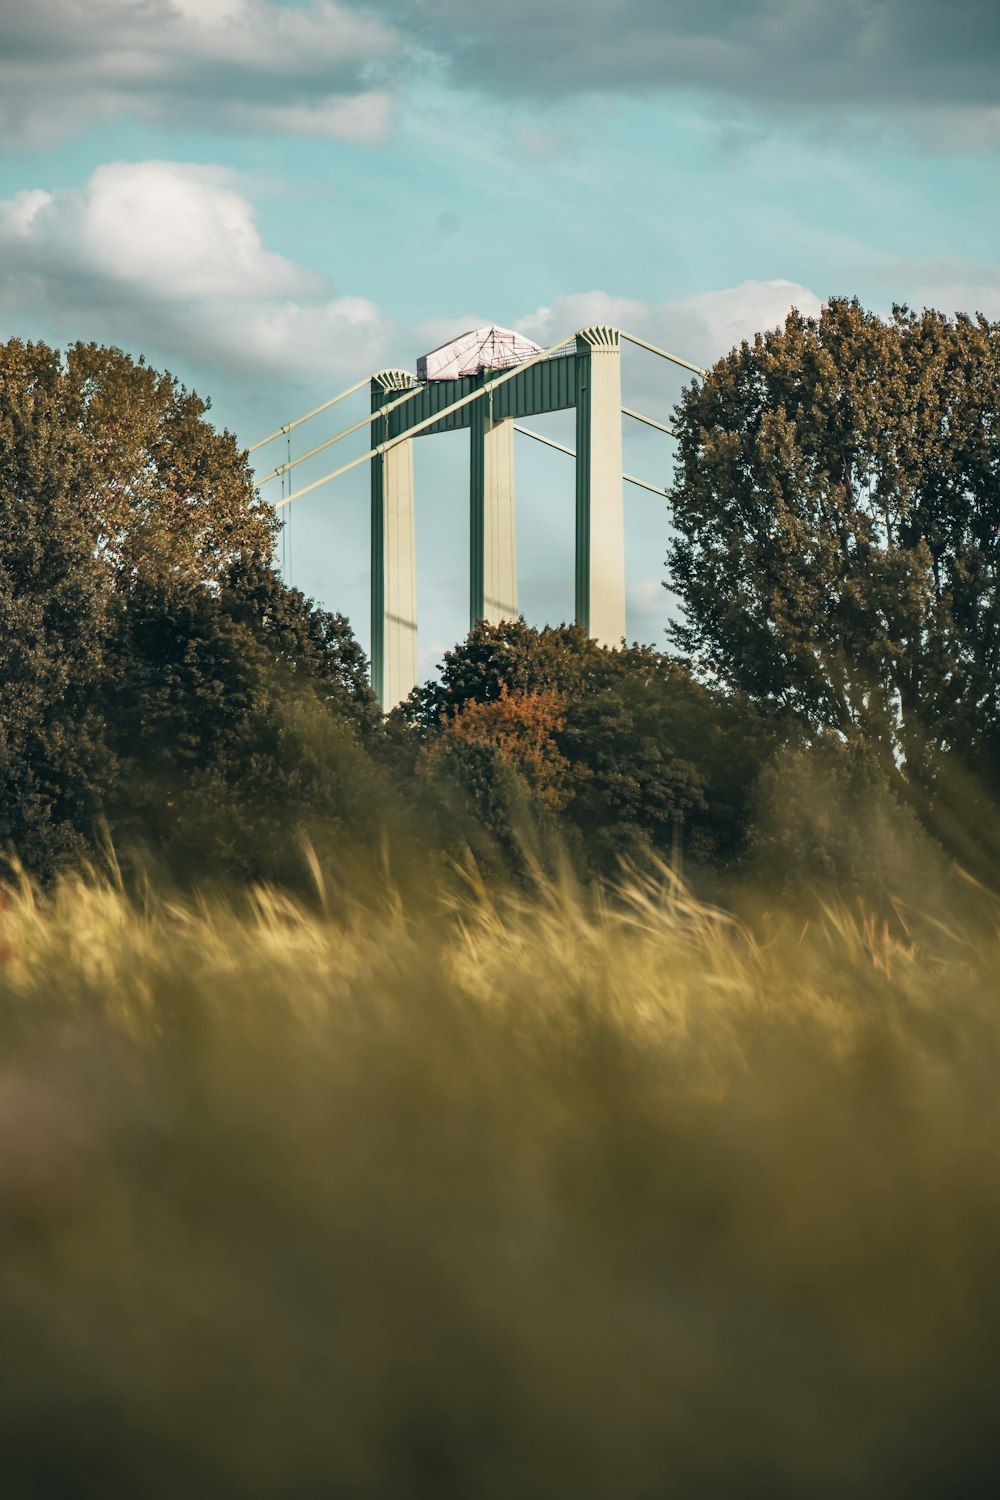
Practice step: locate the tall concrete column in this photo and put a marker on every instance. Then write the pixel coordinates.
(394, 558)
(492, 520)
(600, 511)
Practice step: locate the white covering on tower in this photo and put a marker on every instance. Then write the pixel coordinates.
(487, 348)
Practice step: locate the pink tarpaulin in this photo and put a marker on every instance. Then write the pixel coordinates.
(487, 348)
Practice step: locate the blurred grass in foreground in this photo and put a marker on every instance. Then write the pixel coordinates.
(520, 1199)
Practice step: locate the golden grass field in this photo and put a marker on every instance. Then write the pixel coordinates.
(516, 1196)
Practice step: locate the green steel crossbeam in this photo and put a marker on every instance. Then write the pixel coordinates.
(436, 417)
(585, 376)
(429, 421)
(384, 411)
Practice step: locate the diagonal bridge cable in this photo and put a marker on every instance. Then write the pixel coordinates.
(383, 411)
(426, 422)
(561, 448)
(381, 448)
(652, 348)
(307, 416)
(637, 416)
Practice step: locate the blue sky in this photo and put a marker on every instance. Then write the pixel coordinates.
(274, 199)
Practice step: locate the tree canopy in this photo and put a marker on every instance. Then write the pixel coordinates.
(239, 718)
(837, 509)
(154, 670)
(837, 514)
(625, 744)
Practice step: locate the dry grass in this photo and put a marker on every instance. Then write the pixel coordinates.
(527, 1198)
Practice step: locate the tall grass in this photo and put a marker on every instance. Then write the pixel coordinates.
(540, 1197)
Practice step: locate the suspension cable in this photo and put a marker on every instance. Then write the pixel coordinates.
(641, 343)
(421, 426)
(383, 411)
(561, 447)
(637, 416)
(381, 448)
(287, 426)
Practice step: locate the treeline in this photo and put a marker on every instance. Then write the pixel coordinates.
(830, 711)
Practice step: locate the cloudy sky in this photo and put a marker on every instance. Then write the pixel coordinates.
(272, 198)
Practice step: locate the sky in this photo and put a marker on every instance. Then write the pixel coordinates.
(274, 198)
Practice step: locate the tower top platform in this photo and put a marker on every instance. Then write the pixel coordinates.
(486, 348)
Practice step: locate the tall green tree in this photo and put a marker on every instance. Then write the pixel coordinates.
(241, 720)
(155, 671)
(837, 508)
(56, 613)
(161, 488)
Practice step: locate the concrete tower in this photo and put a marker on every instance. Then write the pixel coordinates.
(394, 553)
(600, 510)
(484, 381)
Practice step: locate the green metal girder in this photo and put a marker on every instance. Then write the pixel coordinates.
(550, 385)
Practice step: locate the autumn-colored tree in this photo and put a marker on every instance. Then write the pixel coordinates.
(651, 752)
(523, 727)
(161, 488)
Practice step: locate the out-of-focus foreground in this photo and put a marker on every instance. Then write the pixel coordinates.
(559, 1196)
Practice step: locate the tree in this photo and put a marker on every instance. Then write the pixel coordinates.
(55, 616)
(837, 507)
(161, 489)
(828, 818)
(240, 719)
(523, 727)
(146, 645)
(635, 750)
(302, 642)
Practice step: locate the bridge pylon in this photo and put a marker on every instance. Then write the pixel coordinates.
(486, 381)
(492, 516)
(600, 507)
(393, 550)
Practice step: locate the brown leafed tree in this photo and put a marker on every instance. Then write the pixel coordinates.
(164, 491)
(523, 727)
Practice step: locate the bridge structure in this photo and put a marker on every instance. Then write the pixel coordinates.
(488, 394)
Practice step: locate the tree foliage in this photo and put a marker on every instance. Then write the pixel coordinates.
(161, 489)
(56, 612)
(239, 718)
(625, 743)
(523, 727)
(154, 670)
(837, 507)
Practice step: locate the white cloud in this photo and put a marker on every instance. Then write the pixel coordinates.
(647, 608)
(253, 65)
(949, 284)
(166, 229)
(360, 118)
(169, 256)
(700, 328)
